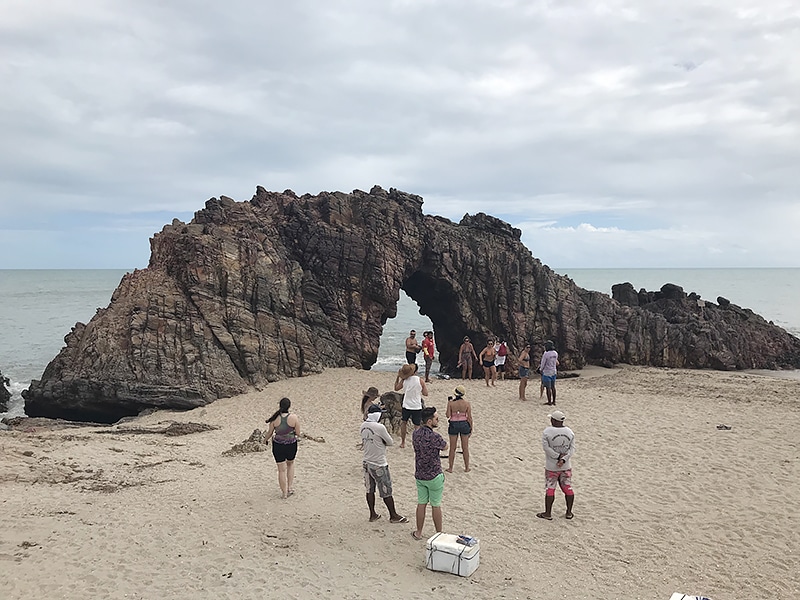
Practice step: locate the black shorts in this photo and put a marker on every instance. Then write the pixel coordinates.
(459, 428)
(501, 368)
(284, 452)
(414, 415)
(411, 357)
(488, 364)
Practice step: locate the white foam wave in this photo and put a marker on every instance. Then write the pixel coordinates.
(16, 406)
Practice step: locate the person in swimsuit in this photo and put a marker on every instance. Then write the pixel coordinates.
(465, 356)
(428, 351)
(459, 416)
(524, 360)
(284, 429)
(487, 360)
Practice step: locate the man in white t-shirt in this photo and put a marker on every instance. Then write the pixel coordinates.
(375, 438)
(558, 443)
(413, 390)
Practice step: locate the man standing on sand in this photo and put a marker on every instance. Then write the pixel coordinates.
(558, 443)
(412, 347)
(428, 470)
(375, 438)
(501, 351)
(548, 367)
(428, 350)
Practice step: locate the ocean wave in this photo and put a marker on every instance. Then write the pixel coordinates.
(16, 405)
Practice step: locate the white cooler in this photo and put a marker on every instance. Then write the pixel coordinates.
(444, 553)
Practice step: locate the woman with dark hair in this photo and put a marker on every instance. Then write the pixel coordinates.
(284, 429)
(459, 416)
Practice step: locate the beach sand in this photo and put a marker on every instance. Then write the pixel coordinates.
(665, 502)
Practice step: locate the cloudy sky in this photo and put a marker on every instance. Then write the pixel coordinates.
(617, 133)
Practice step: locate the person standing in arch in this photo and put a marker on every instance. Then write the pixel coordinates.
(428, 351)
(466, 354)
(412, 348)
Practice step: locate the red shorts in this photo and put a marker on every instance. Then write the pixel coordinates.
(561, 478)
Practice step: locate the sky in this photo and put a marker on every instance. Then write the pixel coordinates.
(614, 134)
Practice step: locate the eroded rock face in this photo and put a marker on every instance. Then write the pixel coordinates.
(284, 286)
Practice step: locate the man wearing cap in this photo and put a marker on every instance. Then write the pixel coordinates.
(558, 442)
(375, 438)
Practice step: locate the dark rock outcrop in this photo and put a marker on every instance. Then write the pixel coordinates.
(284, 286)
(5, 395)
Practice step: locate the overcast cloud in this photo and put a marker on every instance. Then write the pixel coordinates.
(618, 133)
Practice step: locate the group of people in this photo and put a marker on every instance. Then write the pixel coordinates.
(557, 440)
(427, 347)
(548, 369)
(427, 443)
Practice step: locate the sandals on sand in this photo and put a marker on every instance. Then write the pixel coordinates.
(402, 519)
(544, 516)
(415, 536)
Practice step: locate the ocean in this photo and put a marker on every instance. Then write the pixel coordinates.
(39, 307)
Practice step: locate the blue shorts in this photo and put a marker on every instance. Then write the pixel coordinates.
(523, 372)
(459, 428)
(548, 380)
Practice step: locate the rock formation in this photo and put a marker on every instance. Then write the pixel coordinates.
(284, 286)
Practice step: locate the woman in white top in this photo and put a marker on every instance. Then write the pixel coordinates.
(414, 389)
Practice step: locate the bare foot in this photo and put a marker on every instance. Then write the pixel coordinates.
(402, 444)
(467, 470)
(449, 470)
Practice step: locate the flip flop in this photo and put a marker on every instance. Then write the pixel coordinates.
(414, 535)
(569, 515)
(373, 519)
(400, 520)
(544, 516)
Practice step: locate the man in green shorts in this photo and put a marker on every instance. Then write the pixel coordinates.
(428, 470)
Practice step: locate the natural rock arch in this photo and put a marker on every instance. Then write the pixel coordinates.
(284, 286)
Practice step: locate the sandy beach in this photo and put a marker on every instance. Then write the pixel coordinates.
(665, 501)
